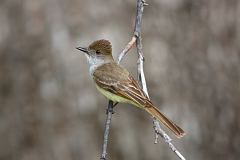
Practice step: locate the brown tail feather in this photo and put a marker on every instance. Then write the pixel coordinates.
(173, 127)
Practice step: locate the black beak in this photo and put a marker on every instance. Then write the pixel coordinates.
(83, 49)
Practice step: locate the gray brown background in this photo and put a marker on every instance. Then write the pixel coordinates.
(50, 110)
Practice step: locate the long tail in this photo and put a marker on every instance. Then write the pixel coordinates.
(173, 127)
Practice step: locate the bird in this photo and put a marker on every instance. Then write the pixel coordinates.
(118, 85)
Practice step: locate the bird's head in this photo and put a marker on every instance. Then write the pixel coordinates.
(98, 49)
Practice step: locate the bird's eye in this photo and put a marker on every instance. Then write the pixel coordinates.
(97, 51)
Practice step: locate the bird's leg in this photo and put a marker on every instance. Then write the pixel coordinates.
(115, 104)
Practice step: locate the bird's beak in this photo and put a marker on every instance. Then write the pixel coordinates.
(83, 49)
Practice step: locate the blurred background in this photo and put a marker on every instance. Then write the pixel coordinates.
(49, 107)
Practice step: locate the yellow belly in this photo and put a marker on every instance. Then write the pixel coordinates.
(116, 98)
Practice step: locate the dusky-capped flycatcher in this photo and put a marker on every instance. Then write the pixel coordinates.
(117, 84)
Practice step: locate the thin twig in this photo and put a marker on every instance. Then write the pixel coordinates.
(126, 49)
(106, 131)
(141, 76)
(166, 138)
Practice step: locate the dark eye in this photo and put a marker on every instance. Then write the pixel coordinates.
(97, 51)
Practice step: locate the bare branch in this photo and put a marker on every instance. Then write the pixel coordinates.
(141, 76)
(166, 138)
(107, 128)
(126, 49)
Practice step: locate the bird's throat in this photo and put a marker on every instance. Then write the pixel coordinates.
(95, 62)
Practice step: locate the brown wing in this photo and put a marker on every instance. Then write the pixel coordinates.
(117, 80)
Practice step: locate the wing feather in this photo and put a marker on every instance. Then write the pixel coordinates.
(118, 81)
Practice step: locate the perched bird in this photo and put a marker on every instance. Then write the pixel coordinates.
(117, 84)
